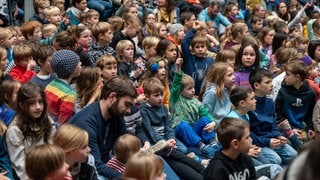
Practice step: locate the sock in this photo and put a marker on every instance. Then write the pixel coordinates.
(200, 145)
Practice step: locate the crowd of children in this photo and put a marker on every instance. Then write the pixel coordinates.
(164, 89)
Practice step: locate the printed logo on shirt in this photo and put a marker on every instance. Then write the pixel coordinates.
(298, 103)
(245, 174)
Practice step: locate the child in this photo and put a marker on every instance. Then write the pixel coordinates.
(42, 56)
(218, 85)
(264, 116)
(301, 43)
(313, 50)
(227, 56)
(159, 30)
(30, 127)
(103, 33)
(234, 35)
(125, 146)
(126, 67)
(59, 4)
(47, 162)
(48, 30)
(88, 86)
(156, 125)
(7, 41)
(149, 45)
(191, 121)
(53, 15)
(145, 166)
(8, 99)
(5, 164)
(256, 26)
(108, 66)
(74, 142)
(197, 64)
(92, 18)
(150, 19)
(31, 30)
(232, 161)
(295, 101)
(24, 64)
(39, 7)
(60, 96)
(176, 34)
(247, 59)
(3, 65)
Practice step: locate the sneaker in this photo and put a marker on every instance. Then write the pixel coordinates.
(208, 151)
(159, 146)
(203, 162)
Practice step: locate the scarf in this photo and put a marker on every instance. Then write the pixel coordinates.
(76, 12)
(164, 16)
(246, 69)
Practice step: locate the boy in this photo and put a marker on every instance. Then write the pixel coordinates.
(232, 162)
(92, 18)
(103, 33)
(31, 30)
(256, 26)
(61, 96)
(24, 63)
(42, 55)
(149, 45)
(191, 121)
(295, 101)
(108, 65)
(196, 62)
(39, 7)
(264, 116)
(53, 15)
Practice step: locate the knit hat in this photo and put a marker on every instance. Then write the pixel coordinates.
(306, 59)
(174, 28)
(64, 62)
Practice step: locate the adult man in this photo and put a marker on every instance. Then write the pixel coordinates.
(103, 121)
(212, 13)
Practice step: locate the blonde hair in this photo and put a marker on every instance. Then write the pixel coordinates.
(46, 28)
(186, 80)
(101, 28)
(70, 137)
(232, 33)
(106, 60)
(5, 33)
(121, 45)
(143, 166)
(51, 10)
(216, 75)
(150, 41)
(92, 13)
(22, 51)
(225, 54)
(156, 29)
(125, 146)
(152, 85)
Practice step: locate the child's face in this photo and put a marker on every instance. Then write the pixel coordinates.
(317, 53)
(47, 66)
(79, 155)
(128, 53)
(211, 30)
(134, 10)
(76, 71)
(23, 63)
(151, 18)
(55, 19)
(250, 102)
(20, 38)
(155, 99)
(37, 34)
(11, 40)
(163, 32)
(133, 31)
(85, 38)
(15, 93)
(302, 46)
(4, 63)
(265, 86)
(93, 20)
(268, 38)
(162, 72)
(107, 36)
(62, 173)
(180, 34)
(60, 5)
(295, 33)
(314, 71)
(246, 142)
(151, 51)
(109, 71)
(228, 78)
(245, 32)
(257, 25)
(248, 56)
(200, 50)
(290, 78)
(231, 61)
(35, 107)
(188, 91)
(160, 176)
(171, 53)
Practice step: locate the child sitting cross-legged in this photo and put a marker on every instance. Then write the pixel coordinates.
(192, 122)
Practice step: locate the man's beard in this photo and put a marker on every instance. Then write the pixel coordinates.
(114, 110)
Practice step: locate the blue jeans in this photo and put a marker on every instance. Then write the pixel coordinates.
(104, 7)
(191, 136)
(280, 155)
(274, 169)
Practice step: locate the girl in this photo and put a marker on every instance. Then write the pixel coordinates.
(126, 66)
(8, 99)
(130, 27)
(108, 66)
(74, 142)
(5, 165)
(145, 166)
(279, 40)
(166, 12)
(3, 65)
(74, 12)
(234, 34)
(266, 37)
(219, 82)
(88, 86)
(227, 56)
(247, 59)
(84, 39)
(159, 30)
(64, 40)
(30, 127)
(7, 41)
(47, 162)
(168, 50)
(314, 50)
(149, 22)
(301, 43)
(313, 76)
(158, 68)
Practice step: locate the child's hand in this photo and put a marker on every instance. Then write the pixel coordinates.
(145, 146)
(283, 140)
(298, 132)
(140, 99)
(274, 143)
(172, 143)
(196, 25)
(209, 127)
(179, 61)
(137, 72)
(32, 64)
(3, 176)
(254, 151)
